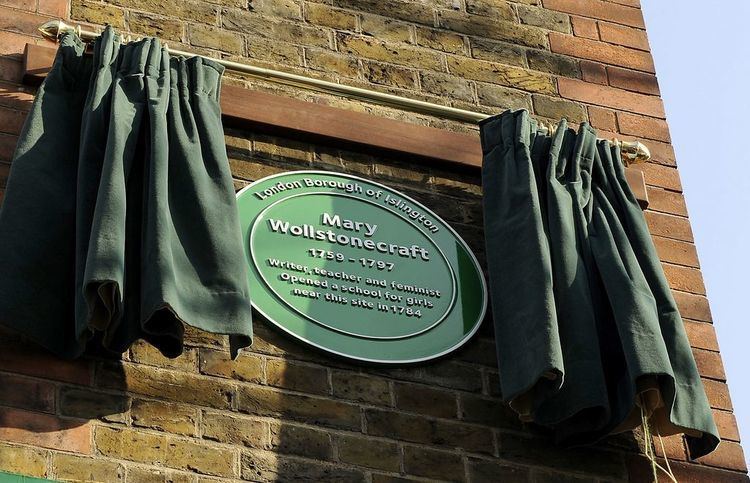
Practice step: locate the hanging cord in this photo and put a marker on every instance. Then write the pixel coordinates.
(648, 446)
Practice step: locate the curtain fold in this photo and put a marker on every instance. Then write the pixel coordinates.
(119, 220)
(588, 333)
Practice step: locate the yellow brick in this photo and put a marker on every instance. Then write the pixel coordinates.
(497, 9)
(326, 16)
(274, 51)
(146, 474)
(298, 377)
(493, 28)
(170, 385)
(247, 367)
(150, 25)
(78, 468)
(409, 56)
(215, 38)
(327, 61)
(409, 10)
(403, 174)
(130, 444)
(384, 28)
(97, 13)
(440, 40)
(235, 430)
(257, 26)
(144, 353)
(200, 337)
(201, 458)
(282, 148)
(386, 74)
(277, 8)
(164, 416)
(251, 171)
(452, 184)
(447, 85)
(505, 75)
(24, 461)
(193, 10)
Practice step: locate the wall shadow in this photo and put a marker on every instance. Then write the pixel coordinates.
(44, 398)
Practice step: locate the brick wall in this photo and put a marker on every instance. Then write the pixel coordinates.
(281, 411)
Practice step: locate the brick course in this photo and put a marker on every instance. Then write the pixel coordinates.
(282, 411)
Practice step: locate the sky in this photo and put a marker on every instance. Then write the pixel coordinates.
(703, 69)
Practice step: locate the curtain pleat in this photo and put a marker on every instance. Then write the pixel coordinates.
(119, 221)
(588, 333)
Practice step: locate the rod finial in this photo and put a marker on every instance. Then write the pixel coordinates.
(634, 152)
(53, 29)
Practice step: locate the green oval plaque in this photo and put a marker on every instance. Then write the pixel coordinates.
(357, 269)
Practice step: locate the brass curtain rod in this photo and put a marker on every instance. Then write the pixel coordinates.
(632, 151)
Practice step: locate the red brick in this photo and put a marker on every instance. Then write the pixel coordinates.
(601, 52)
(660, 175)
(621, 35)
(21, 22)
(11, 120)
(692, 306)
(585, 27)
(666, 201)
(674, 447)
(27, 393)
(639, 470)
(717, 393)
(29, 5)
(593, 72)
(685, 279)
(601, 118)
(727, 424)
(709, 364)
(26, 359)
(610, 97)
(11, 70)
(632, 80)
(676, 251)
(661, 153)
(14, 96)
(629, 3)
(676, 227)
(45, 430)
(12, 44)
(643, 127)
(56, 8)
(694, 473)
(4, 172)
(701, 335)
(728, 455)
(600, 10)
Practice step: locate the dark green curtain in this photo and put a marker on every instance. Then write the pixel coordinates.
(119, 220)
(588, 333)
